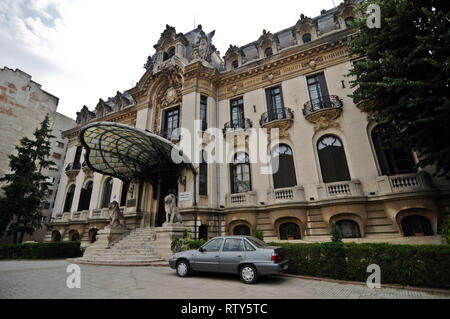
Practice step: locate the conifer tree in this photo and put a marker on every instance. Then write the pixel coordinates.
(26, 188)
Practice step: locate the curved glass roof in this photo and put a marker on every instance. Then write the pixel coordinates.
(128, 153)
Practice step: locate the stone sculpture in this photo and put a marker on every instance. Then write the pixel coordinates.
(117, 220)
(172, 214)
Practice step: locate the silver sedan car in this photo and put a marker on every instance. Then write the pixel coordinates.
(244, 255)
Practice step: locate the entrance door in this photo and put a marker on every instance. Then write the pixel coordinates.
(169, 183)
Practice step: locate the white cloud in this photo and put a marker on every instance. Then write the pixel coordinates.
(84, 50)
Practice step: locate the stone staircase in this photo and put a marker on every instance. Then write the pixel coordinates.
(135, 248)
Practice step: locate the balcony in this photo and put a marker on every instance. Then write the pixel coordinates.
(404, 183)
(241, 199)
(340, 190)
(286, 195)
(281, 119)
(323, 111)
(243, 124)
(170, 135)
(72, 170)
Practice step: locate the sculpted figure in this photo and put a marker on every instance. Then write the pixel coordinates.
(117, 219)
(172, 214)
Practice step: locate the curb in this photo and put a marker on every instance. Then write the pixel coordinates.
(359, 283)
(155, 264)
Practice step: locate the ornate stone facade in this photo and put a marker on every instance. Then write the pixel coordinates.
(186, 73)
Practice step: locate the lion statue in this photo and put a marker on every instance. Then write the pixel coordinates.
(172, 214)
(116, 216)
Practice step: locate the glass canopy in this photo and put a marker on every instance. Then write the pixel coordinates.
(129, 153)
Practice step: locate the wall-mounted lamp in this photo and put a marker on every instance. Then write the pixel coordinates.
(343, 84)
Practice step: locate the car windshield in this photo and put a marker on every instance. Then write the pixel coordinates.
(258, 243)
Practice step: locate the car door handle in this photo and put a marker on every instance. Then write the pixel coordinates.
(239, 256)
(217, 256)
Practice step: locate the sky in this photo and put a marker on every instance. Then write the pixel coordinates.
(84, 50)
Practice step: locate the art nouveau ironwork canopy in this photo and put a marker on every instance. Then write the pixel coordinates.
(129, 153)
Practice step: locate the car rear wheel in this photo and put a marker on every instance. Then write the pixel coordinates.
(183, 268)
(248, 274)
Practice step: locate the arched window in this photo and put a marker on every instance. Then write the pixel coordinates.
(349, 21)
(349, 229)
(235, 64)
(241, 230)
(203, 174)
(306, 37)
(85, 197)
(240, 174)
(93, 235)
(290, 231)
(333, 163)
(268, 52)
(416, 226)
(203, 232)
(283, 169)
(170, 53)
(74, 236)
(393, 160)
(56, 236)
(107, 189)
(69, 199)
(124, 193)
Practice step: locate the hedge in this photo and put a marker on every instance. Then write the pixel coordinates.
(413, 265)
(50, 250)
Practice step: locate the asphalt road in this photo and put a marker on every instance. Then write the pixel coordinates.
(47, 279)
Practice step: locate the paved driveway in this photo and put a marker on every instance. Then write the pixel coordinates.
(47, 279)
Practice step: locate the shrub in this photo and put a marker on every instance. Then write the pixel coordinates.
(50, 250)
(259, 234)
(415, 265)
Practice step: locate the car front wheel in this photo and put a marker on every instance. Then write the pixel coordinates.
(183, 268)
(248, 274)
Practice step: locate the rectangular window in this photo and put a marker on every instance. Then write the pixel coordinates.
(237, 113)
(170, 122)
(56, 155)
(203, 176)
(318, 91)
(275, 106)
(60, 144)
(203, 111)
(76, 161)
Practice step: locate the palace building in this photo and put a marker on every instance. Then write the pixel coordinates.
(333, 164)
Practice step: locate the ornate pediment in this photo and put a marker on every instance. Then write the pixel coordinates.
(84, 116)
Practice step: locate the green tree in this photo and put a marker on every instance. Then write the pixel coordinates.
(403, 77)
(25, 188)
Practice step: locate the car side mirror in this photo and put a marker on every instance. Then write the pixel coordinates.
(201, 249)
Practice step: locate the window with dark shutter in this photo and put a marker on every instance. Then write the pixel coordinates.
(333, 163)
(237, 113)
(275, 106)
(69, 199)
(203, 112)
(392, 159)
(318, 91)
(284, 176)
(203, 174)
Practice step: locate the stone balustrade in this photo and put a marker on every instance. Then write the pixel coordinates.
(241, 199)
(340, 189)
(283, 195)
(403, 183)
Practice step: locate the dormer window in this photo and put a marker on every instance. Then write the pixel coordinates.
(268, 52)
(306, 37)
(170, 53)
(349, 21)
(235, 64)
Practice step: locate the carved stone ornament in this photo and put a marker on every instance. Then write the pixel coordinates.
(171, 96)
(200, 48)
(325, 118)
(88, 172)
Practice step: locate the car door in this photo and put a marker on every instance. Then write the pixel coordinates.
(231, 255)
(208, 259)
